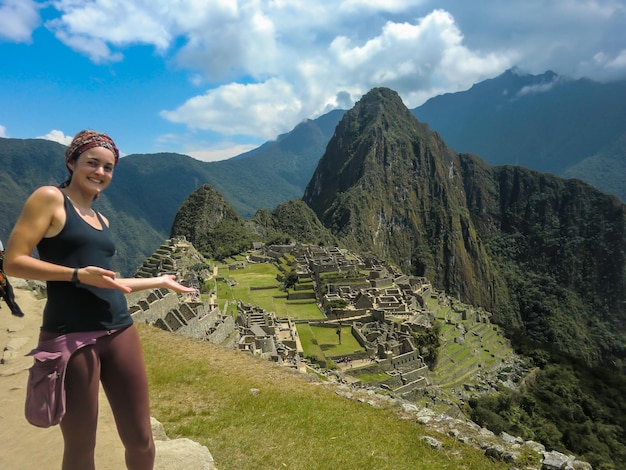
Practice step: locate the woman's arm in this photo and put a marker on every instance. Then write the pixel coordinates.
(167, 281)
(39, 216)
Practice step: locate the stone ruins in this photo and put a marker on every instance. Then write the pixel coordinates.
(382, 308)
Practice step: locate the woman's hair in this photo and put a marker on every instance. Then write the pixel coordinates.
(84, 141)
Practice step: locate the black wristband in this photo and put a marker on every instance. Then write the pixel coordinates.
(75, 280)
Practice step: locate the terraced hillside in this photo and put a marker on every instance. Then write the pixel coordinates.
(471, 346)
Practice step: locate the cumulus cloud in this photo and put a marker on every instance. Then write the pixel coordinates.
(18, 19)
(94, 28)
(57, 136)
(414, 58)
(264, 65)
(3, 131)
(224, 151)
(236, 109)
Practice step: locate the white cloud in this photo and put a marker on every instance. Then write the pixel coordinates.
(261, 109)
(395, 6)
(3, 131)
(232, 43)
(90, 27)
(539, 88)
(18, 19)
(619, 61)
(57, 136)
(415, 59)
(224, 152)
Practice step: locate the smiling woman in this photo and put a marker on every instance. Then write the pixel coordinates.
(87, 335)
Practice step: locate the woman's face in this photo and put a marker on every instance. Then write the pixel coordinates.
(93, 169)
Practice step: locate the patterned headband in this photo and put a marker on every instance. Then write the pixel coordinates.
(86, 140)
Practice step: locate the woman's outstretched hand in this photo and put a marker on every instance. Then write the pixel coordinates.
(169, 282)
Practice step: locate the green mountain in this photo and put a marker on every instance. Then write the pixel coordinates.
(212, 225)
(289, 222)
(216, 230)
(546, 255)
(389, 186)
(147, 190)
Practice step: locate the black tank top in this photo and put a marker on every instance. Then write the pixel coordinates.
(71, 308)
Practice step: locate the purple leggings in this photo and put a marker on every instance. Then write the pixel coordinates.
(116, 360)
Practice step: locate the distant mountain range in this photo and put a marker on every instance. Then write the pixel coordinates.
(571, 128)
(577, 122)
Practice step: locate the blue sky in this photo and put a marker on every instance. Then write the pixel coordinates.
(215, 78)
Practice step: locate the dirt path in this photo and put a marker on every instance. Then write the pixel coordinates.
(22, 446)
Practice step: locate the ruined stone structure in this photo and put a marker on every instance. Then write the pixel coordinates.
(178, 313)
(261, 333)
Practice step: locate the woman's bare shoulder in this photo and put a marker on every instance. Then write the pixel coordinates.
(45, 196)
(47, 193)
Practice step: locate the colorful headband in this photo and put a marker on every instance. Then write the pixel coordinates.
(86, 140)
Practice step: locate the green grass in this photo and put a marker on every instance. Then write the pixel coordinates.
(328, 341)
(202, 392)
(310, 348)
(268, 295)
(373, 377)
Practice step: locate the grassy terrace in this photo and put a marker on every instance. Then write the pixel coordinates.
(258, 285)
(482, 347)
(322, 343)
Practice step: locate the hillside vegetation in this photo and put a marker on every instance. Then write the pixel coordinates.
(546, 122)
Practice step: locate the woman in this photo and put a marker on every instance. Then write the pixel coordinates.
(75, 250)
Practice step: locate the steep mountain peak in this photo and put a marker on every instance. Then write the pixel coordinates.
(380, 107)
(374, 139)
(204, 218)
(390, 186)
